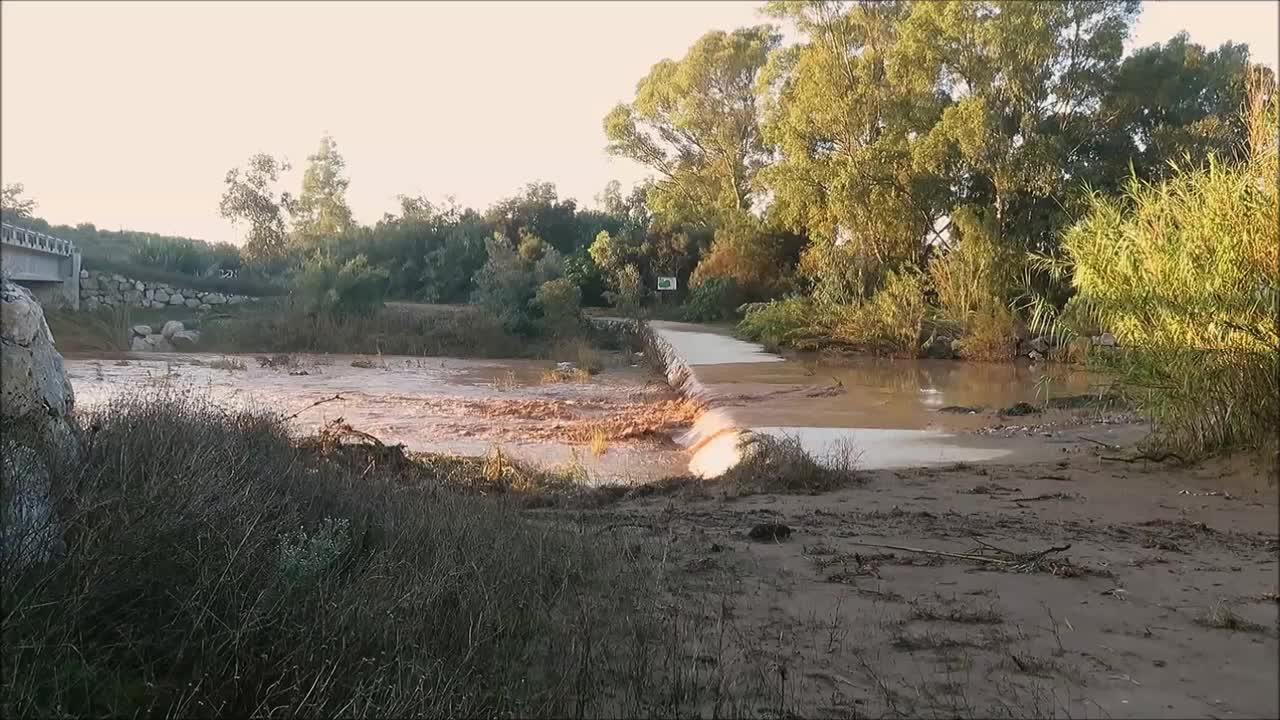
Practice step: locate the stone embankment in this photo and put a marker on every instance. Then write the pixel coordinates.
(98, 289)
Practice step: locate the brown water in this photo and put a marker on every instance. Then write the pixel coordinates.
(865, 392)
(466, 407)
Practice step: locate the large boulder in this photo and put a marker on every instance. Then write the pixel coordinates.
(36, 400)
(176, 299)
(215, 299)
(142, 330)
(185, 339)
(171, 327)
(158, 343)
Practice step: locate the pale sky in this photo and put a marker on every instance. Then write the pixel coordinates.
(128, 115)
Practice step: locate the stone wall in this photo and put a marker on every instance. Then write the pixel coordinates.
(98, 289)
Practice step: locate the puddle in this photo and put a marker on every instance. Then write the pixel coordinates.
(434, 404)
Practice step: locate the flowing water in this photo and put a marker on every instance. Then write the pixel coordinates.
(887, 413)
(466, 407)
(624, 423)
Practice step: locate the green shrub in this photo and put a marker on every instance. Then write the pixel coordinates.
(507, 284)
(789, 322)
(890, 322)
(394, 330)
(973, 281)
(560, 304)
(713, 299)
(1184, 274)
(349, 288)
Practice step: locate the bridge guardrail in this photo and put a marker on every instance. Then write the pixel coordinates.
(22, 237)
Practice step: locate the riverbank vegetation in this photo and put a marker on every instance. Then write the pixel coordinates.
(909, 179)
(279, 578)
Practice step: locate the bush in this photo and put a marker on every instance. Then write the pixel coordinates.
(393, 330)
(889, 323)
(782, 323)
(973, 281)
(560, 304)
(349, 288)
(713, 299)
(1184, 274)
(214, 566)
(508, 282)
(744, 252)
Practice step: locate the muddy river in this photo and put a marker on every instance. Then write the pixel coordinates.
(616, 425)
(621, 424)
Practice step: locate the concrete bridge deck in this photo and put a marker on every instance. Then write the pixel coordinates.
(48, 266)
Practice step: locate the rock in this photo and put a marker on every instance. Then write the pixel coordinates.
(176, 299)
(770, 532)
(961, 409)
(235, 300)
(132, 297)
(157, 304)
(172, 327)
(36, 401)
(1106, 339)
(139, 344)
(118, 278)
(940, 349)
(1019, 409)
(143, 330)
(185, 339)
(158, 343)
(1035, 356)
(203, 307)
(1038, 345)
(92, 304)
(216, 299)
(139, 286)
(160, 296)
(565, 367)
(192, 303)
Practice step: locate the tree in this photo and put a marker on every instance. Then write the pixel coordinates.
(538, 211)
(251, 197)
(1021, 82)
(321, 208)
(843, 135)
(13, 205)
(694, 121)
(1174, 102)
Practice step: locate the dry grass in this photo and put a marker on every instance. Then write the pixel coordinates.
(1222, 617)
(781, 465)
(227, 363)
(599, 442)
(216, 566)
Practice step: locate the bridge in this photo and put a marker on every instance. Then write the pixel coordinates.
(46, 265)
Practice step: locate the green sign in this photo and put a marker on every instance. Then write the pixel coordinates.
(666, 283)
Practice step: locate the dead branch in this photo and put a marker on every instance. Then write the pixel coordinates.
(1161, 457)
(318, 402)
(1014, 562)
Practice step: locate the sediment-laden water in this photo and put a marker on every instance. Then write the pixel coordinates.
(616, 425)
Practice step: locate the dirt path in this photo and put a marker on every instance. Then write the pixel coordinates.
(1164, 603)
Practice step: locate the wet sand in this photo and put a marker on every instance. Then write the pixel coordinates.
(466, 407)
(1155, 596)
